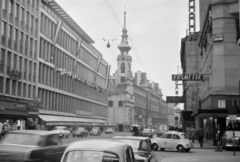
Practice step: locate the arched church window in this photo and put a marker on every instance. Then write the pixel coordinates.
(110, 103)
(122, 68)
(120, 103)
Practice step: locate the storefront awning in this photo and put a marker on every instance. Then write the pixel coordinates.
(66, 120)
(212, 113)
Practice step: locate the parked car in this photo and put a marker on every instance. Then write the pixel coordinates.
(172, 140)
(98, 150)
(227, 139)
(109, 131)
(62, 131)
(147, 132)
(141, 147)
(80, 131)
(31, 145)
(95, 131)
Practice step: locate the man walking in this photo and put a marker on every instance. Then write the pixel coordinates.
(188, 132)
(200, 133)
(193, 134)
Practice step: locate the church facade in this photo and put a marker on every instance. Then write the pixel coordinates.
(133, 99)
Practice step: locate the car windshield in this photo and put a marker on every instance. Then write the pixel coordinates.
(183, 136)
(22, 139)
(138, 144)
(90, 156)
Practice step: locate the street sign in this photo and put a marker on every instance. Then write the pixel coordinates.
(232, 117)
(163, 128)
(175, 99)
(190, 77)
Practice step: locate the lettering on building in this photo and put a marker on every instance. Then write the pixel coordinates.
(175, 99)
(190, 77)
(83, 113)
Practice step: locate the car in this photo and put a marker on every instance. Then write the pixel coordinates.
(141, 147)
(62, 131)
(109, 131)
(147, 132)
(172, 140)
(80, 131)
(227, 139)
(98, 150)
(31, 145)
(95, 131)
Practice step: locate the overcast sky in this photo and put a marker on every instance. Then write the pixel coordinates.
(155, 29)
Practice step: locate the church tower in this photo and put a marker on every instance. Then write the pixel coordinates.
(124, 60)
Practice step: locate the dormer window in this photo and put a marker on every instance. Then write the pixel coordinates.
(122, 68)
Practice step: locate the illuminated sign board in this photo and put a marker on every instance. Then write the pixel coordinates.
(190, 77)
(175, 99)
(191, 16)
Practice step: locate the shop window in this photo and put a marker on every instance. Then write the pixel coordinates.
(110, 103)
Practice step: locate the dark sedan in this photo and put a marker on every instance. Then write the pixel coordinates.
(80, 131)
(31, 145)
(141, 147)
(227, 139)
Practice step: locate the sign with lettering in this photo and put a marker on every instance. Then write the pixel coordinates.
(175, 99)
(191, 16)
(190, 77)
(84, 113)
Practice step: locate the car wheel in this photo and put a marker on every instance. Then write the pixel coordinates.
(162, 149)
(154, 147)
(180, 148)
(187, 150)
(86, 135)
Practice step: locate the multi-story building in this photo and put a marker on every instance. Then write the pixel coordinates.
(218, 56)
(49, 62)
(133, 100)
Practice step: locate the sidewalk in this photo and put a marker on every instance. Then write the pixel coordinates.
(206, 145)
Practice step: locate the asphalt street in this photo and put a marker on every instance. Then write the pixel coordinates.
(206, 154)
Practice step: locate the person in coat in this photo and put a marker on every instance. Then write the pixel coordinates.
(200, 134)
(193, 134)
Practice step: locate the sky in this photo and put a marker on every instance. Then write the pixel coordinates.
(155, 29)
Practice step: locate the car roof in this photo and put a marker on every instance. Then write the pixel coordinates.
(99, 144)
(60, 126)
(40, 132)
(131, 137)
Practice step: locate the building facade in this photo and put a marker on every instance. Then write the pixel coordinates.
(219, 57)
(133, 100)
(49, 68)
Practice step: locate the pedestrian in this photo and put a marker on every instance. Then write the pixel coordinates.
(188, 132)
(200, 134)
(193, 134)
(135, 132)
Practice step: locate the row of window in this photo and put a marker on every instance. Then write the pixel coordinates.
(17, 88)
(23, 18)
(62, 60)
(59, 102)
(120, 103)
(17, 40)
(50, 77)
(11, 61)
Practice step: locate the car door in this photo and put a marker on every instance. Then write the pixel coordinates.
(163, 142)
(175, 140)
(129, 155)
(168, 141)
(54, 149)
